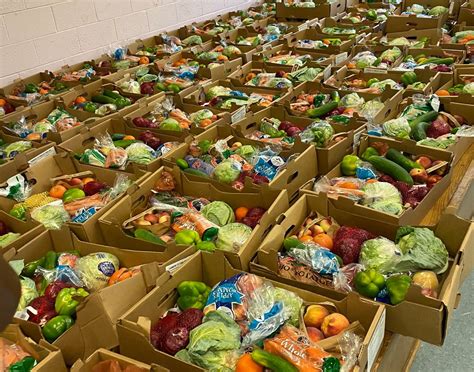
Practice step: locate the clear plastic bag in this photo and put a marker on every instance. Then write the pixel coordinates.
(350, 187)
(52, 215)
(321, 260)
(18, 188)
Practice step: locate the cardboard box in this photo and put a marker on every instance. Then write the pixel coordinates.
(134, 203)
(70, 69)
(433, 315)
(435, 51)
(322, 10)
(408, 216)
(49, 358)
(86, 140)
(313, 35)
(27, 229)
(232, 38)
(134, 337)
(403, 23)
(433, 36)
(466, 15)
(41, 174)
(292, 25)
(429, 4)
(148, 111)
(458, 46)
(327, 157)
(296, 172)
(97, 315)
(377, 50)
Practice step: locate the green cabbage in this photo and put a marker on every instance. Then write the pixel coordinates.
(219, 212)
(291, 304)
(217, 91)
(468, 88)
(383, 196)
(391, 54)
(28, 293)
(379, 254)
(95, 269)
(437, 11)
(8, 238)
(232, 236)
(351, 100)
(397, 128)
(192, 40)
(246, 151)
(198, 116)
(140, 153)
(227, 171)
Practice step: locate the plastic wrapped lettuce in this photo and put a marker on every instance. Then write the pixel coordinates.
(95, 269)
(382, 196)
(218, 212)
(140, 153)
(380, 254)
(52, 215)
(351, 100)
(371, 108)
(8, 238)
(227, 171)
(10, 150)
(232, 236)
(28, 293)
(398, 127)
(198, 116)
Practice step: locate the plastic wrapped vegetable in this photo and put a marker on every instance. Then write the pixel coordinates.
(379, 254)
(351, 100)
(218, 212)
(95, 269)
(52, 216)
(232, 236)
(227, 171)
(140, 153)
(28, 292)
(383, 196)
(398, 127)
(10, 150)
(318, 133)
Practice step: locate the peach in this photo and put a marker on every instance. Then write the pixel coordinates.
(314, 315)
(75, 181)
(325, 224)
(317, 230)
(424, 161)
(314, 334)
(334, 324)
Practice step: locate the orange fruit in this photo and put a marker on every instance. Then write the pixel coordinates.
(306, 238)
(57, 191)
(144, 60)
(128, 138)
(80, 100)
(2, 102)
(247, 364)
(324, 240)
(240, 213)
(43, 91)
(205, 123)
(87, 180)
(442, 93)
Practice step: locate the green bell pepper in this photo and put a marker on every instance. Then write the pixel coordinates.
(408, 78)
(331, 364)
(397, 288)
(372, 81)
(18, 211)
(349, 165)
(24, 365)
(122, 102)
(205, 145)
(51, 260)
(56, 326)
(187, 237)
(456, 89)
(90, 107)
(342, 119)
(192, 295)
(369, 152)
(206, 246)
(31, 88)
(30, 268)
(369, 283)
(67, 300)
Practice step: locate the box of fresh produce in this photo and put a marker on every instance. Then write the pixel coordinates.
(284, 55)
(421, 81)
(396, 182)
(460, 84)
(48, 120)
(186, 63)
(81, 73)
(251, 15)
(218, 52)
(71, 287)
(315, 101)
(114, 145)
(311, 39)
(273, 29)
(309, 9)
(434, 58)
(275, 126)
(372, 18)
(168, 115)
(15, 153)
(441, 9)
(170, 212)
(15, 233)
(55, 191)
(424, 122)
(466, 15)
(165, 44)
(414, 38)
(223, 96)
(381, 57)
(208, 316)
(222, 158)
(259, 74)
(105, 360)
(407, 22)
(8, 107)
(98, 99)
(338, 26)
(22, 354)
(246, 41)
(458, 39)
(223, 23)
(412, 269)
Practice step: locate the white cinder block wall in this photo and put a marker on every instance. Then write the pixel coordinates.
(38, 35)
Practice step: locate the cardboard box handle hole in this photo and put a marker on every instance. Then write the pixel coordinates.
(289, 230)
(292, 177)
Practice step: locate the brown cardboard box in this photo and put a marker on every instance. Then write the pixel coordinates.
(85, 140)
(272, 200)
(101, 355)
(436, 51)
(148, 109)
(232, 37)
(413, 34)
(312, 34)
(134, 337)
(466, 15)
(67, 69)
(27, 229)
(402, 23)
(327, 157)
(432, 315)
(296, 172)
(293, 26)
(429, 4)
(49, 358)
(322, 10)
(211, 45)
(408, 216)
(97, 315)
(377, 50)
(40, 176)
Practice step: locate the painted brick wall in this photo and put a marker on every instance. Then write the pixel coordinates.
(47, 34)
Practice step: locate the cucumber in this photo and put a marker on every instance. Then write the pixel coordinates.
(391, 168)
(124, 143)
(397, 157)
(418, 132)
(427, 117)
(195, 172)
(100, 98)
(272, 361)
(148, 236)
(322, 110)
(111, 94)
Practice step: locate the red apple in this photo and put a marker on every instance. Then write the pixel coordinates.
(75, 181)
(419, 175)
(424, 161)
(150, 217)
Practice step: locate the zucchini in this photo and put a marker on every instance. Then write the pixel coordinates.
(418, 132)
(148, 236)
(272, 361)
(195, 172)
(391, 168)
(427, 117)
(100, 98)
(322, 110)
(124, 143)
(397, 157)
(111, 94)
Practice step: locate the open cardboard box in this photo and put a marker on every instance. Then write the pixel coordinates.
(466, 15)
(147, 110)
(293, 26)
(69, 69)
(97, 315)
(232, 38)
(365, 25)
(458, 46)
(432, 315)
(295, 173)
(327, 157)
(389, 98)
(409, 216)
(209, 46)
(312, 34)
(49, 358)
(436, 51)
(322, 10)
(429, 4)
(207, 27)
(134, 203)
(133, 327)
(402, 23)
(27, 229)
(458, 76)
(377, 50)
(432, 36)
(430, 78)
(86, 140)
(101, 355)
(41, 174)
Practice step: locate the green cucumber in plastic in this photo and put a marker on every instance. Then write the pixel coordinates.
(391, 168)
(426, 117)
(322, 110)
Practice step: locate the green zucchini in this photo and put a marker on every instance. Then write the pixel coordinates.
(272, 361)
(124, 143)
(148, 236)
(195, 172)
(397, 157)
(427, 117)
(418, 132)
(111, 94)
(322, 110)
(100, 98)
(391, 168)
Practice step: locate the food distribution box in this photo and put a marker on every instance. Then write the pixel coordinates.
(19, 232)
(92, 147)
(466, 15)
(460, 39)
(97, 314)
(446, 61)
(81, 73)
(450, 8)
(118, 223)
(417, 38)
(191, 119)
(134, 326)
(294, 168)
(49, 179)
(216, 52)
(403, 23)
(377, 57)
(314, 40)
(48, 357)
(289, 56)
(433, 313)
(246, 41)
(328, 156)
(322, 9)
(290, 25)
(457, 84)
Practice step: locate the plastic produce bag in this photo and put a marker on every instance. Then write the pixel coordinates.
(383, 196)
(52, 215)
(95, 269)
